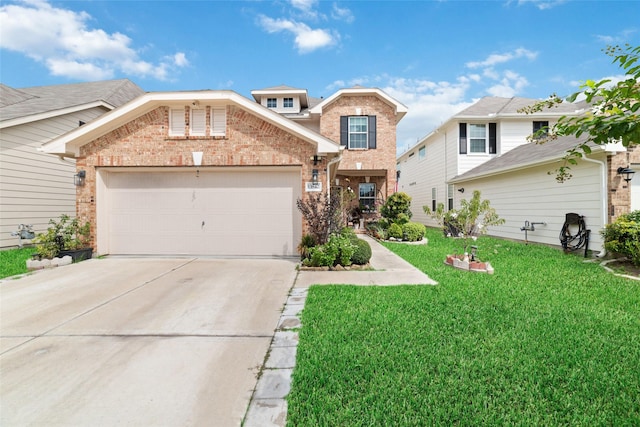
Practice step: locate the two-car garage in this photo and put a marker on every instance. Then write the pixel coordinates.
(234, 212)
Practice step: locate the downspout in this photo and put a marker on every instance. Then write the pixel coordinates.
(603, 189)
(331, 162)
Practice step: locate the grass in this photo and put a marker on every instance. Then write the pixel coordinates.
(547, 340)
(14, 261)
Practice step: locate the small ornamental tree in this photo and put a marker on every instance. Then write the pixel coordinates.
(472, 219)
(322, 214)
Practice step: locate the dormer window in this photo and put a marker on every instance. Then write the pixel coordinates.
(540, 129)
(288, 103)
(272, 103)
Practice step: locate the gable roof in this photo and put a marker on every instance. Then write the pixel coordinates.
(69, 144)
(526, 155)
(26, 105)
(401, 109)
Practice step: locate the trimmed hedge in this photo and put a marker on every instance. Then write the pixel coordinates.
(413, 231)
(362, 254)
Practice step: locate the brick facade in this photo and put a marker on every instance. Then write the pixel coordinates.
(619, 190)
(382, 159)
(145, 142)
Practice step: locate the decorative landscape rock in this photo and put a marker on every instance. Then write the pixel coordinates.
(34, 264)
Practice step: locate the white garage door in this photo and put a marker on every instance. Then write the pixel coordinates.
(240, 212)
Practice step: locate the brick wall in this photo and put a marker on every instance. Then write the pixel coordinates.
(144, 142)
(620, 190)
(383, 157)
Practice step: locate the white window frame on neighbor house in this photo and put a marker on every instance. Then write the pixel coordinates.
(197, 122)
(177, 126)
(356, 132)
(422, 152)
(287, 103)
(218, 121)
(450, 191)
(272, 102)
(367, 196)
(476, 137)
(539, 124)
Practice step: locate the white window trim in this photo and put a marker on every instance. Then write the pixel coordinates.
(366, 133)
(218, 121)
(486, 139)
(177, 125)
(197, 122)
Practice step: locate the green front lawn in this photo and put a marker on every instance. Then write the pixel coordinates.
(14, 261)
(547, 340)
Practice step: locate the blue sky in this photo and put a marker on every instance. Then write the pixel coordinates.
(436, 57)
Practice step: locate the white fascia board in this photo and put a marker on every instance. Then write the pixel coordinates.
(53, 113)
(71, 142)
(401, 109)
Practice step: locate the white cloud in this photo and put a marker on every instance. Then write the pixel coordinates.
(342, 14)
(304, 5)
(62, 40)
(500, 58)
(542, 4)
(306, 39)
(510, 85)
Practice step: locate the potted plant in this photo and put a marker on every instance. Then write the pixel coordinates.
(64, 236)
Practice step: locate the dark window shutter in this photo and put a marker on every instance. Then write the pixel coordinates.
(344, 130)
(372, 131)
(492, 138)
(463, 138)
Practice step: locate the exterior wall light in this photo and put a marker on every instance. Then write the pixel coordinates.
(314, 175)
(461, 189)
(78, 179)
(627, 172)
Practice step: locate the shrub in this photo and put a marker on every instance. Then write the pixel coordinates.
(63, 234)
(338, 250)
(304, 248)
(376, 230)
(349, 233)
(395, 231)
(322, 214)
(397, 207)
(362, 253)
(413, 231)
(623, 236)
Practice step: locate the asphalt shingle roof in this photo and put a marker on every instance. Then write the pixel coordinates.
(498, 105)
(16, 103)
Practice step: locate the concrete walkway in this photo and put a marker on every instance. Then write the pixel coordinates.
(268, 405)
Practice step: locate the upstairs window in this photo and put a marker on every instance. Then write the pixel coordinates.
(478, 138)
(272, 103)
(218, 121)
(176, 121)
(198, 122)
(358, 132)
(542, 127)
(422, 152)
(288, 103)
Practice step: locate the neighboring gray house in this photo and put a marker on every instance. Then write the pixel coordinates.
(485, 147)
(35, 186)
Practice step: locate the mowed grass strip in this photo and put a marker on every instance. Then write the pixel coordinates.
(547, 340)
(14, 261)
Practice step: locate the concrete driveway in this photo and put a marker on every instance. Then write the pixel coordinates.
(138, 341)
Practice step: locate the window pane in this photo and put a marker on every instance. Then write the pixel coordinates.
(271, 103)
(477, 146)
(422, 152)
(288, 102)
(358, 132)
(367, 196)
(477, 131)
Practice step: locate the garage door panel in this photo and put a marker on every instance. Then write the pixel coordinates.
(244, 213)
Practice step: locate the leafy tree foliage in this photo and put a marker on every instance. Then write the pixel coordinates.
(613, 117)
(323, 215)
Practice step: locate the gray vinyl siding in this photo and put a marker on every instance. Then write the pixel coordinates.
(34, 186)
